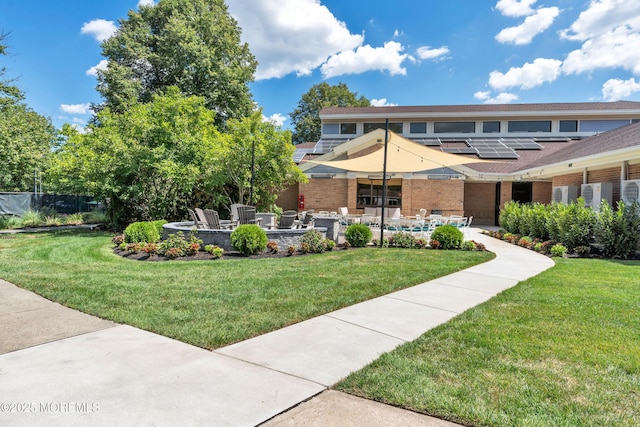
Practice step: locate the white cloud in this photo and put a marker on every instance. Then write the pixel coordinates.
(76, 108)
(610, 30)
(501, 98)
(397, 34)
(277, 119)
(427, 52)
(146, 3)
(616, 89)
(367, 58)
(93, 71)
(528, 76)
(601, 16)
(532, 26)
(99, 28)
(382, 102)
(515, 8)
(291, 36)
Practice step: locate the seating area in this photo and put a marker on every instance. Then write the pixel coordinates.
(204, 219)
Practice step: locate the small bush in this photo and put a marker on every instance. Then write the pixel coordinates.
(316, 243)
(480, 247)
(144, 231)
(358, 235)
(117, 240)
(150, 248)
(74, 219)
(420, 243)
(468, 245)
(174, 246)
(376, 243)
(558, 250)
(434, 244)
(31, 219)
(215, 251)
(52, 221)
(582, 251)
(94, 217)
(330, 244)
(402, 240)
(525, 242)
(291, 250)
(273, 247)
(448, 236)
(249, 239)
(619, 231)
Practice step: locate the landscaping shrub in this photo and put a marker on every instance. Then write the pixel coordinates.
(582, 251)
(376, 243)
(468, 245)
(558, 250)
(215, 251)
(571, 224)
(144, 231)
(534, 221)
(316, 243)
(176, 245)
(618, 231)
(358, 235)
(74, 219)
(31, 219)
(448, 236)
(402, 240)
(249, 239)
(509, 217)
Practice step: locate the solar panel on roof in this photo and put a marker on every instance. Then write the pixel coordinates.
(328, 144)
(488, 153)
(522, 144)
(430, 142)
(459, 150)
(299, 154)
(551, 139)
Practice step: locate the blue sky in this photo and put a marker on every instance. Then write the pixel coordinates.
(403, 52)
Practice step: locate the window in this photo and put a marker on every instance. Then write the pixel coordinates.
(490, 127)
(568, 125)
(418, 127)
(454, 127)
(347, 128)
(530, 126)
(330, 128)
(393, 127)
(370, 193)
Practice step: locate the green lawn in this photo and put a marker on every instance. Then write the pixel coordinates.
(212, 303)
(560, 349)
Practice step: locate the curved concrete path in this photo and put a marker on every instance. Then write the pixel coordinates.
(62, 367)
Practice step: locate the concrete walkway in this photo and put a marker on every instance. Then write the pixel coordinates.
(61, 367)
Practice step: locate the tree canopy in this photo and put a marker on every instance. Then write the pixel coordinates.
(159, 158)
(26, 138)
(193, 45)
(306, 116)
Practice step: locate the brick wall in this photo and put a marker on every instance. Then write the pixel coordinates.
(611, 175)
(479, 202)
(446, 196)
(505, 193)
(570, 179)
(288, 199)
(541, 192)
(633, 171)
(322, 194)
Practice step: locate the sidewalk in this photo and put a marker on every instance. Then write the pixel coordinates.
(61, 367)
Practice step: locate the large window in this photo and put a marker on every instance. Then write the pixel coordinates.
(490, 127)
(454, 127)
(530, 126)
(418, 127)
(339, 128)
(393, 127)
(568, 125)
(370, 193)
(347, 128)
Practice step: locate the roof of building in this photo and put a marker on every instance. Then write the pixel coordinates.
(552, 153)
(485, 108)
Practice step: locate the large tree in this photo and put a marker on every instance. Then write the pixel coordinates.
(272, 152)
(193, 45)
(26, 138)
(306, 116)
(150, 162)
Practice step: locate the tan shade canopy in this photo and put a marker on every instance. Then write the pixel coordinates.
(403, 155)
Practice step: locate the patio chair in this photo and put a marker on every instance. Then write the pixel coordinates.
(194, 218)
(287, 219)
(307, 220)
(213, 220)
(344, 211)
(247, 215)
(202, 218)
(234, 212)
(428, 228)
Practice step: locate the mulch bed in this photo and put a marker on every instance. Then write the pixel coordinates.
(204, 256)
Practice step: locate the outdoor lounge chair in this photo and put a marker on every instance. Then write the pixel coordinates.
(202, 218)
(287, 219)
(213, 220)
(194, 218)
(247, 215)
(307, 220)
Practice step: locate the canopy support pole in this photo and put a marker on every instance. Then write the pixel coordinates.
(384, 181)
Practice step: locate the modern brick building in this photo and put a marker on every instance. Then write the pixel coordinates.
(537, 152)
